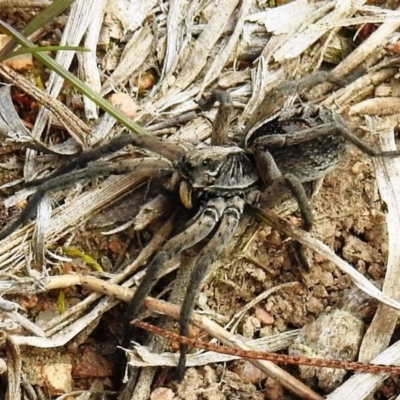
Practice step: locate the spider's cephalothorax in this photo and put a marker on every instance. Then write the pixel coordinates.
(224, 171)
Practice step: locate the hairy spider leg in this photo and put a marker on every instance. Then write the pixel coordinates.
(82, 160)
(273, 179)
(222, 121)
(49, 183)
(200, 229)
(145, 167)
(278, 96)
(366, 148)
(167, 150)
(327, 129)
(223, 235)
(26, 214)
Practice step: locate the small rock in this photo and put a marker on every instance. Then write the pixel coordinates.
(250, 326)
(319, 291)
(273, 390)
(57, 378)
(357, 168)
(162, 393)
(249, 373)
(315, 306)
(326, 279)
(124, 103)
(336, 335)
(90, 364)
(356, 250)
(264, 317)
(145, 81)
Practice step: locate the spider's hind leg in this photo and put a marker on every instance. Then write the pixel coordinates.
(331, 124)
(345, 131)
(279, 186)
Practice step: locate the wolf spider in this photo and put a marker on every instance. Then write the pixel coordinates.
(278, 155)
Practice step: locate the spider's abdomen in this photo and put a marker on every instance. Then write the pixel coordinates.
(311, 160)
(305, 157)
(223, 170)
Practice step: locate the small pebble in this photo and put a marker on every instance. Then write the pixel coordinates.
(124, 103)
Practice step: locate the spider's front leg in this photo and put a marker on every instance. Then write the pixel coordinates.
(196, 232)
(168, 150)
(144, 167)
(84, 166)
(222, 121)
(209, 253)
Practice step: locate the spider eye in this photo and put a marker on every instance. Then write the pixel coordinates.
(206, 162)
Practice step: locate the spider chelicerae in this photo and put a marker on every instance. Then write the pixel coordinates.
(279, 153)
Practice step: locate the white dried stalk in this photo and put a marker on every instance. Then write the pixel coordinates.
(43, 218)
(175, 26)
(25, 323)
(130, 13)
(223, 56)
(78, 21)
(69, 332)
(303, 39)
(367, 47)
(193, 62)
(284, 19)
(135, 54)
(14, 369)
(145, 358)
(89, 70)
(381, 329)
(102, 129)
(361, 87)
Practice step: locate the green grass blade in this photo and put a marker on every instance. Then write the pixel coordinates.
(41, 49)
(72, 80)
(43, 18)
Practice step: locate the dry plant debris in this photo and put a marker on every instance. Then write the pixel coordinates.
(165, 56)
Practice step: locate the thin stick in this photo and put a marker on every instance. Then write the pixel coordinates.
(274, 357)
